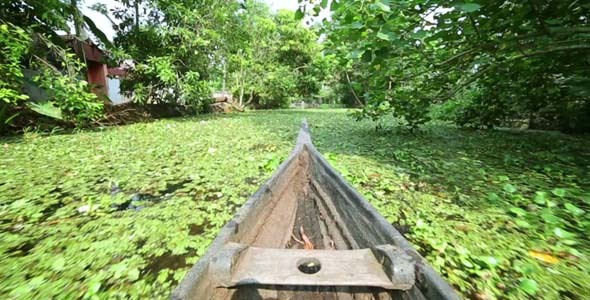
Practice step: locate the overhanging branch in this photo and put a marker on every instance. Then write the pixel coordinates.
(483, 71)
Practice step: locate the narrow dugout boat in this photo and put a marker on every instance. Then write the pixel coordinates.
(266, 252)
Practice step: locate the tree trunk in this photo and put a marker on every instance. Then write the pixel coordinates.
(80, 33)
(136, 14)
(241, 83)
(77, 19)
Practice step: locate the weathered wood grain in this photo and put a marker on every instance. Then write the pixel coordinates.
(242, 265)
(306, 191)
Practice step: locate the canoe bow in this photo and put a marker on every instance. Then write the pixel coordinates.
(359, 254)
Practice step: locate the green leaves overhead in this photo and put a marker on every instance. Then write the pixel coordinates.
(467, 7)
(419, 35)
(383, 5)
(387, 35)
(97, 32)
(356, 54)
(483, 63)
(264, 58)
(299, 14)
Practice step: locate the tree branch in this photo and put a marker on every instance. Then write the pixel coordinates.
(358, 101)
(475, 27)
(455, 57)
(481, 72)
(541, 22)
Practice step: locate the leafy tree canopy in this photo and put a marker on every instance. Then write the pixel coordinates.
(500, 59)
(185, 49)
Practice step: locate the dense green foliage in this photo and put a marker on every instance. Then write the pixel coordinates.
(65, 89)
(14, 43)
(124, 212)
(500, 214)
(176, 47)
(277, 61)
(183, 50)
(30, 41)
(178, 52)
(525, 60)
(13, 46)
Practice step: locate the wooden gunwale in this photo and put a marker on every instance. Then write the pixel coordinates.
(348, 219)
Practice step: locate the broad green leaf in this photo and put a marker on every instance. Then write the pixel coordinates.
(468, 7)
(118, 269)
(356, 54)
(562, 233)
(383, 6)
(316, 10)
(58, 264)
(540, 197)
(97, 32)
(163, 276)
(356, 25)
(522, 223)
(420, 34)
(553, 21)
(570, 242)
(576, 211)
(133, 274)
(421, 224)
(466, 263)
(335, 5)
(37, 281)
(493, 197)
(509, 188)
(559, 192)
(46, 108)
(490, 261)
(299, 14)
(93, 287)
(387, 36)
(529, 286)
(550, 218)
(518, 211)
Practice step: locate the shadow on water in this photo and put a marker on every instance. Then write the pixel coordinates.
(137, 201)
(173, 261)
(442, 158)
(167, 261)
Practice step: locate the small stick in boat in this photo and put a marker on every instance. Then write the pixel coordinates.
(308, 245)
(296, 239)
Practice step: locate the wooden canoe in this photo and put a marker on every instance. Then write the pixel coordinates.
(264, 252)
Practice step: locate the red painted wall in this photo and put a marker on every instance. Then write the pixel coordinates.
(97, 75)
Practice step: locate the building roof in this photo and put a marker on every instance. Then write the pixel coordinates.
(91, 51)
(119, 71)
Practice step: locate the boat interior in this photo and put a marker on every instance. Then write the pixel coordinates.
(307, 205)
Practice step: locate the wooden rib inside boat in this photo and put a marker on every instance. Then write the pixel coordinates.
(265, 251)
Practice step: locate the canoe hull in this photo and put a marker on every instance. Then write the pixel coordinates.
(306, 192)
